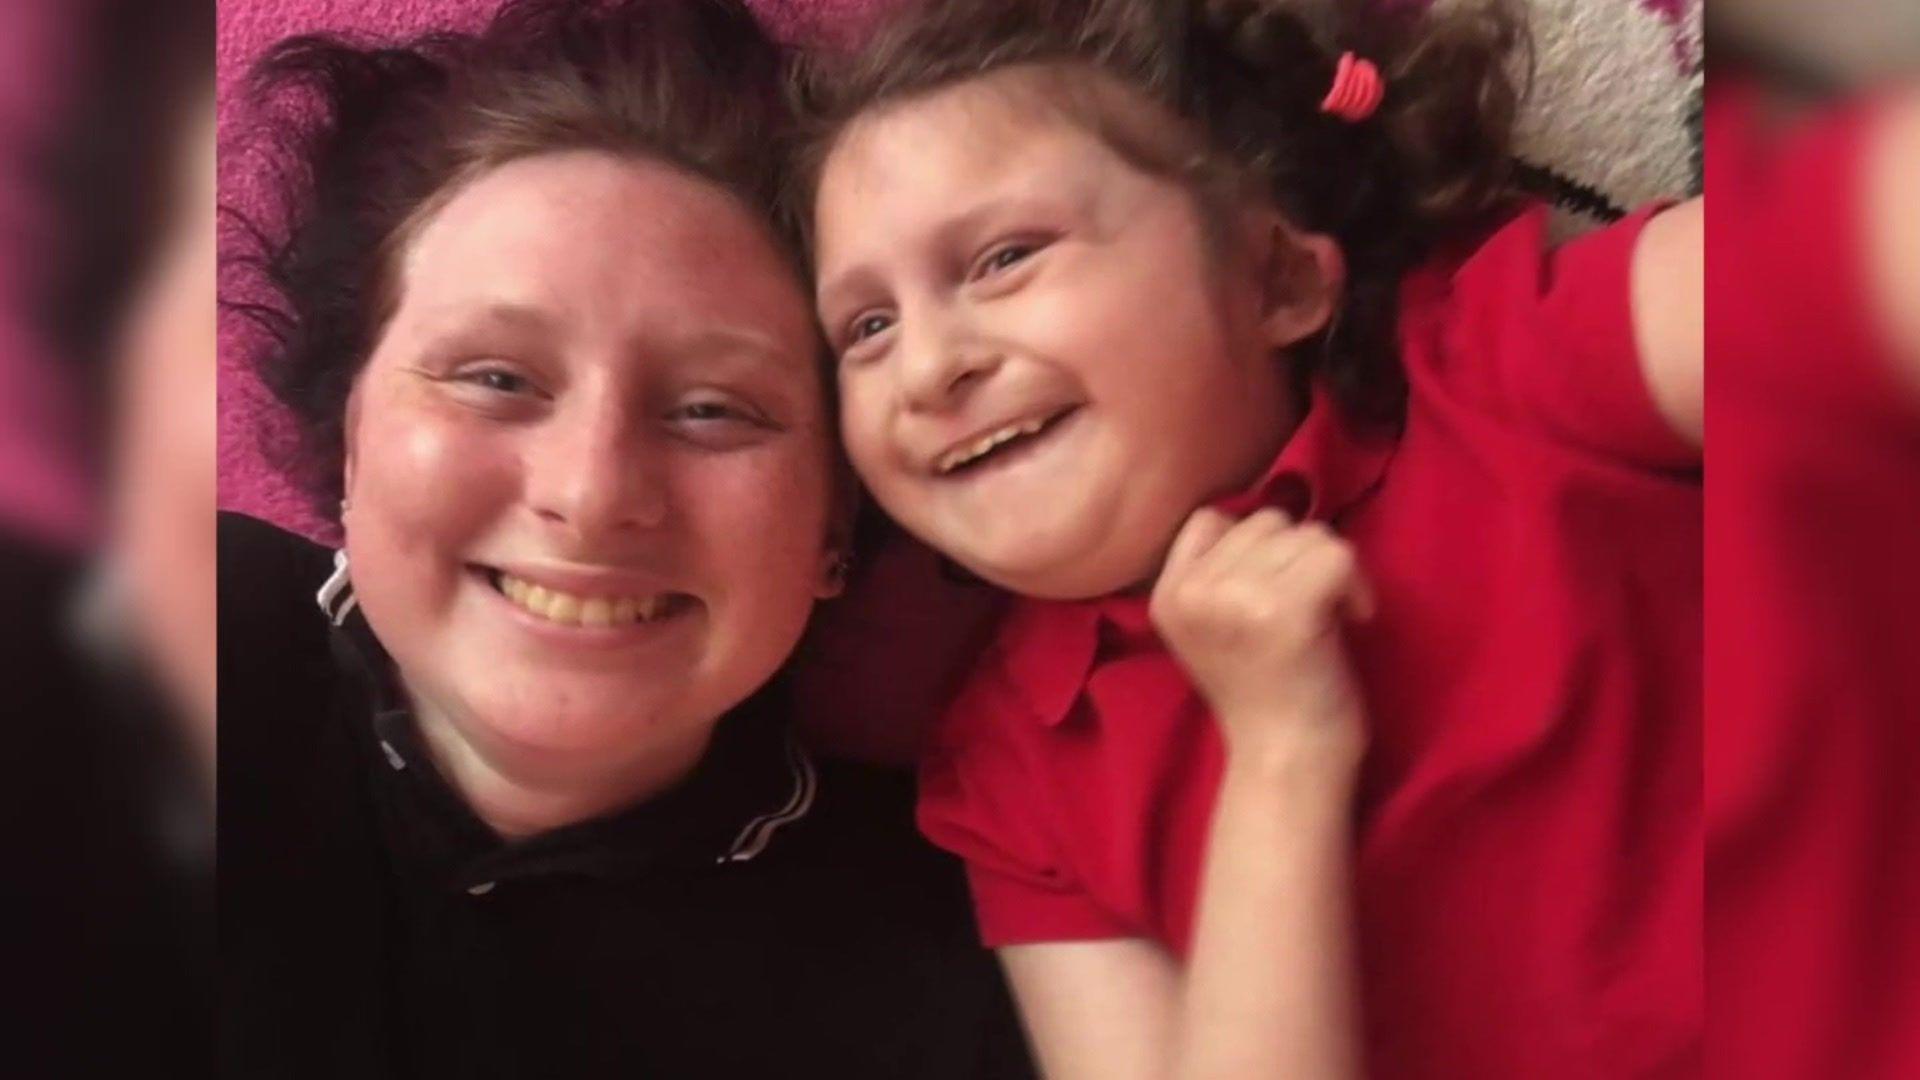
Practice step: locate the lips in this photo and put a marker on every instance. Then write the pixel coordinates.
(975, 449)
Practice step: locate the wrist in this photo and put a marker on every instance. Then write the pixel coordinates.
(1319, 757)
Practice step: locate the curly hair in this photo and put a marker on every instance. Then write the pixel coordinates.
(362, 143)
(1241, 82)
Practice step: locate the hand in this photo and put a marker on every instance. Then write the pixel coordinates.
(1253, 610)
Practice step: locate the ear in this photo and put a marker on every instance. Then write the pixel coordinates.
(349, 428)
(836, 552)
(1303, 276)
(835, 565)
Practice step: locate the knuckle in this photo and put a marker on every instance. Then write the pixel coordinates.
(1340, 559)
(1319, 532)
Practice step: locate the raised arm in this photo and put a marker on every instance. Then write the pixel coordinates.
(1669, 314)
(1893, 232)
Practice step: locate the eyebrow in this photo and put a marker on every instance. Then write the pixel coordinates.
(498, 315)
(729, 340)
(865, 275)
(707, 341)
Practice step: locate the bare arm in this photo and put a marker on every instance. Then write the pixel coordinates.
(1096, 1010)
(1669, 284)
(1893, 233)
(1271, 988)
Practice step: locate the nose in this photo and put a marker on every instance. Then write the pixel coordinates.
(598, 472)
(942, 361)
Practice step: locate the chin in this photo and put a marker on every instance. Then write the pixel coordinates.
(551, 717)
(1048, 581)
(1060, 567)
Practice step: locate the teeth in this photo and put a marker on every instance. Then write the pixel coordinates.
(580, 610)
(970, 452)
(536, 600)
(596, 612)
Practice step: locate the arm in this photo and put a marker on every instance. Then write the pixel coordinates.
(1893, 234)
(1251, 609)
(1271, 988)
(1096, 1010)
(1669, 308)
(1268, 991)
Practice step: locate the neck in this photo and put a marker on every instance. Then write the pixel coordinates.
(519, 793)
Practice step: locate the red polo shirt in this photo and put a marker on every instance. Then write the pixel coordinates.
(1529, 869)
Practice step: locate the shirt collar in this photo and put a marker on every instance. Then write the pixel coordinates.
(1048, 649)
(753, 780)
(1325, 468)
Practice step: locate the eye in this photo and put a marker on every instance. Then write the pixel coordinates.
(1004, 257)
(715, 423)
(866, 326)
(707, 410)
(498, 380)
(713, 411)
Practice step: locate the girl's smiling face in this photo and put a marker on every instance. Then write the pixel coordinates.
(1044, 365)
(589, 464)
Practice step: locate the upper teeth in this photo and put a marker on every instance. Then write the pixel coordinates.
(562, 607)
(969, 452)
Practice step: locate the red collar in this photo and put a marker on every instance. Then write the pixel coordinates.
(1323, 470)
(1048, 648)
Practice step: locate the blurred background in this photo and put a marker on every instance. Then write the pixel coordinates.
(106, 538)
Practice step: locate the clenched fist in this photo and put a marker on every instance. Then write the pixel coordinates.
(1253, 610)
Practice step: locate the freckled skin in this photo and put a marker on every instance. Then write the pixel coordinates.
(650, 403)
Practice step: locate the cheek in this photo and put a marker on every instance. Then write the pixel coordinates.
(427, 481)
(864, 421)
(1156, 352)
(759, 517)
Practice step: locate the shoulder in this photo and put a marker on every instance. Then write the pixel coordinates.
(863, 821)
(263, 566)
(267, 581)
(275, 660)
(1504, 277)
(884, 920)
(1539, 335)
(856, 857)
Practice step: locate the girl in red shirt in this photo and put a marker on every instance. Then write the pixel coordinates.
(1205, 331)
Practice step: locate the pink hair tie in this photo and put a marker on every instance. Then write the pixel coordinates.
(1357, 89)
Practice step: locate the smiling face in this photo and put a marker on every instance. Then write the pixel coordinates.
(589, 467)
(1043, 366)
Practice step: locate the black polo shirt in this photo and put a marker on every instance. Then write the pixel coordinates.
(772, 915)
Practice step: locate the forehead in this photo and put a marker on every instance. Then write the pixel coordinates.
(588, 232)
(1009, 134)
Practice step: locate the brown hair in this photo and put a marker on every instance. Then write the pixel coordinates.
(1247, 78)
(399, 128)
